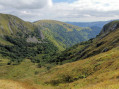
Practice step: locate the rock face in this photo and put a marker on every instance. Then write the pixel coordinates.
(13, 26)
(32, 39)
(109, 28)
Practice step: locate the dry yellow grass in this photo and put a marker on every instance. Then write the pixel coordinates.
(97, 72)
(110, 84)
(8, 84)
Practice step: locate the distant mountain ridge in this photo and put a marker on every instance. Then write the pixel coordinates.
(95, 26)
(90, 24)
(62, 35)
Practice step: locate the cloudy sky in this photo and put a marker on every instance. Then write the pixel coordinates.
(62, 10)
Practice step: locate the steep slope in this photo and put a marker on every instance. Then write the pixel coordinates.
(13, 26)
(10, 24)
(64, 35)
(106, 40)
(110, 27)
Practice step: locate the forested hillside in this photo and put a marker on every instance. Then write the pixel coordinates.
(105, 41)
(20, 40)
(65, 35)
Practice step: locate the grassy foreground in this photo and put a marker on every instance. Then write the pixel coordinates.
(5, 84)
(97, 72)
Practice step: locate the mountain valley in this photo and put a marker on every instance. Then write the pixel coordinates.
(49, 54)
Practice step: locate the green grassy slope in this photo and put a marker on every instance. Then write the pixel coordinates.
(13, 26)
(4, 42)
(97, 72)
(100, 44)
(64, 35)
(10, 24)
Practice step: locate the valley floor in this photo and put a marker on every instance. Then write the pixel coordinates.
(97, 72)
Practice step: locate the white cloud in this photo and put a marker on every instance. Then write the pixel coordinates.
(25, 4)
(100, 5)
(79, 10)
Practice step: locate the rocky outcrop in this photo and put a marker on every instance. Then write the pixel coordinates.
(10, 28)
(32, 39)
(41, 34)
(112, 26)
